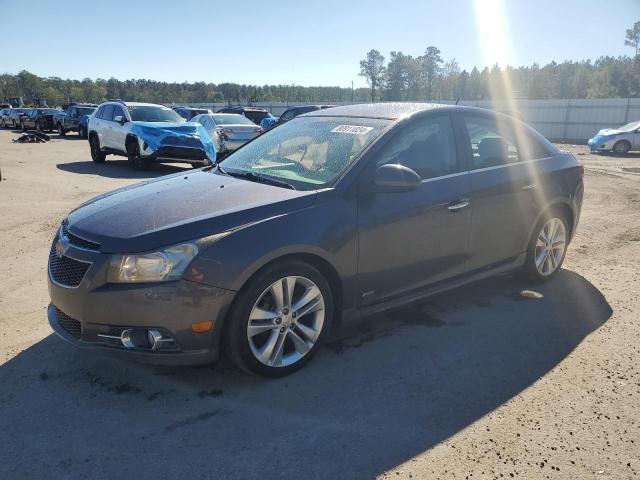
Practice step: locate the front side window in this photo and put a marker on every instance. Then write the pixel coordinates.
(118, 111)
(427, 146)
(308, 153)
(153, 113)
(492, 143)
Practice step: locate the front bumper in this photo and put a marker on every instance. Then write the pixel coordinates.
(600, 146)
(172, 154)
(81, 314)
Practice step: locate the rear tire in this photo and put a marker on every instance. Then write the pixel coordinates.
(547, 248)
(97, 155)
(621, 147)
(311, 293)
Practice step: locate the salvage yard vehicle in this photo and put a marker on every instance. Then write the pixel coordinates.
(147, 133)
(188, 112)
(13, 118)
(619, 140)
(336, 214)
(4, 117)
(292, 112)
(229, 130)
(83, 125)
(40, 119)
(69, 120)
(256, 115)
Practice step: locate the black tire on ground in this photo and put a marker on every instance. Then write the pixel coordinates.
(97, 155)
(235, 342)
(621, 147)
(529, 271)
(61, 131)
(80, 132)
(133, 155)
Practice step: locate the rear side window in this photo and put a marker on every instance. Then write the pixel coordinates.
(427, 147)
(107, 113)
(492, 143)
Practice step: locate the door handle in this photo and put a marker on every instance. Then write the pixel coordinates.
(458, 205)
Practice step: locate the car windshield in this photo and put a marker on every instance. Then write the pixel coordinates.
(307, 152)
(85, 111)
(152, 113)
(629, 127)
(231, 119)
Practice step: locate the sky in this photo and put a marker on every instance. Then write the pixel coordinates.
(303, 42)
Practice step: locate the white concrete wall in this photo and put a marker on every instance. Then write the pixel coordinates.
(559, 120)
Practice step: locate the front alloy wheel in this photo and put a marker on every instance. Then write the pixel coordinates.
(279, 319)
(286, 321)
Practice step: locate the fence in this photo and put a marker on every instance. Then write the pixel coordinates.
(558, 120)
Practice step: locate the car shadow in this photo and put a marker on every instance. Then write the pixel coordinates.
(382, 391)
(119, 168)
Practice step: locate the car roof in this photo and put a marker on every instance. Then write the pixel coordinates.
(134, 104)
(386, 110)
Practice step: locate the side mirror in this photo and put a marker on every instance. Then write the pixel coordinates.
(120, 119)
(393, 177)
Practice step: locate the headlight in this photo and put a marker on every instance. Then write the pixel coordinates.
(161, 266)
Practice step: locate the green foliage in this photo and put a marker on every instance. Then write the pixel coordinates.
(373, 70)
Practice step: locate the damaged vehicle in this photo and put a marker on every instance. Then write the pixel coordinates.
(40, 119)
(332, 216)
(146, 133)
(228, 130)
(619, 140)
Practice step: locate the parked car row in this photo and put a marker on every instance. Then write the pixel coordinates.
(69, 120)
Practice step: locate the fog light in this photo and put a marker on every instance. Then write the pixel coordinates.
(201, 327)
(155, 339)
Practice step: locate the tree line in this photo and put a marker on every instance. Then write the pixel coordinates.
(404, 77)
(429, 77)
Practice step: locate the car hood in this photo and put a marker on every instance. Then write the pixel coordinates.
(177, 208)
(165, 134)
(608, 132)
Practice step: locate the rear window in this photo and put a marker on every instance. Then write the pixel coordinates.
(231, 119)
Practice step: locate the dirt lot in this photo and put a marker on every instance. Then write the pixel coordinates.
(477, 383)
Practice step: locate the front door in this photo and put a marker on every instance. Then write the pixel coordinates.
(408, 240)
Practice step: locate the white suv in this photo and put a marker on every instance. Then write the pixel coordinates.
(146, 133)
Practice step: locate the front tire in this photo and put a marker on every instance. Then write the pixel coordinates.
(279, 319)
(134, 157)
(547, 248)
(621, 147)
(97, 155)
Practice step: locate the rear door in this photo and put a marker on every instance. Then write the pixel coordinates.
(106, 127)
(504, 188)
(408, 240)
(119, 131)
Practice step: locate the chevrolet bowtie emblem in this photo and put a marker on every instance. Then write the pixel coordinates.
(59, 249)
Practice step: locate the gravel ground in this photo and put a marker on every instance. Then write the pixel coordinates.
(480, 382)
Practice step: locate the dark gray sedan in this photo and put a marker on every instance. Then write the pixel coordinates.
(334, 215)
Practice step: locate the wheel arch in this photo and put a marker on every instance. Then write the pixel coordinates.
(321, 264)
(561, 206)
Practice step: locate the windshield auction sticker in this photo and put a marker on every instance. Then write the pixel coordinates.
(352, 129)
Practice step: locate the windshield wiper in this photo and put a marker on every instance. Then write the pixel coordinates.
(252, 177)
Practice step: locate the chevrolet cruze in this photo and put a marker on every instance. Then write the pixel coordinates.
(332, 216)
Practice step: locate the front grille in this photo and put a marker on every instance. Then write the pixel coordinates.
(186, 153)
(71, 325)
(79, 242)
(64, 270)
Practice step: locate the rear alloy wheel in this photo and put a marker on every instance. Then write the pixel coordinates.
(280, 320)
(61, 131)
(547, 249)
(97, 155)
(621, 147)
